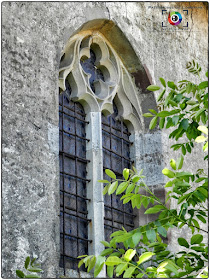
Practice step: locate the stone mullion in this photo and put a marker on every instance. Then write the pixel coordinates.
(94, 188)
(137, 150)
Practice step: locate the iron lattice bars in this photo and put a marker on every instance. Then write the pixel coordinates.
(73, 199)
(116, 156)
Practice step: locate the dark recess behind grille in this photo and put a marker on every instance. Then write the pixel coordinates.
(116, 156)
(73, 200)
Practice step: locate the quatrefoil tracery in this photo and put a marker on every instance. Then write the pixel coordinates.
(97, 76)
(100, 72)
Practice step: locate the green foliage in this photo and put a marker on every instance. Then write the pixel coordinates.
(30, 266)
(189, 104)
(142, 252)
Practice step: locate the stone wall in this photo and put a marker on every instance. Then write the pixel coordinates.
(33, 36)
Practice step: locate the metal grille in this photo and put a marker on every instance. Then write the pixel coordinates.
(116, 156)
(73, 199)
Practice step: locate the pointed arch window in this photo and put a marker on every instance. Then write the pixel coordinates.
(99, 81)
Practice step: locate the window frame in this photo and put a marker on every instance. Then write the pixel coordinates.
(125, 94)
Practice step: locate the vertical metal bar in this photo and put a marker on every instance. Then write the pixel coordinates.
(64, 264)
(122, 166)
(111, 168)
(77, 225)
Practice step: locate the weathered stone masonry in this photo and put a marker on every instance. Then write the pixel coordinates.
(33, 37)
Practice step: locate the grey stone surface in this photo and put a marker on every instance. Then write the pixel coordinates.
(33, 36)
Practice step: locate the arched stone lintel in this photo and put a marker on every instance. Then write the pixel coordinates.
(120, 65)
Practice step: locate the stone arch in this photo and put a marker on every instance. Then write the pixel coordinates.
(124, 75)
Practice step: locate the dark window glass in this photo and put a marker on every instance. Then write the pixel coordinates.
(89, 67)
(116, 156)
(73, 199)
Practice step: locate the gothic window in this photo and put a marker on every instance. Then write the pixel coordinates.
(73, 198)
(97, 78)
(116, 156)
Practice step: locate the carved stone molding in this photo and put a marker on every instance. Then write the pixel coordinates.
(97, 76)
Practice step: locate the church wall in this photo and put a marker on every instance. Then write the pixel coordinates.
(33, 36)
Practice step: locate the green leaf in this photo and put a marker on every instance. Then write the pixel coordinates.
(148, 115)
(182, 198)
(136, 238)
(128, 273)
(162, 82)
(145, 257)
(175, 120)
(105, 189)
(168, 173)
(110, 174)
(32, 262)
(32, 276)
(34, 269)
(191, 102)
(91, 264)
(153, 111)
(110, 271)
(126, 173)
(203, 129)
(179, 162)
(153, 210)
(171, 85)
(161, 95)
(161, 123)
(199, 112)
(111, 261)
(151, 235)
(168, 264)
(201, 218)
(129, 254)
(99, 265)
(183, 242)
(121, 188)
(203, 85)
(197, 248)
(172, 268)
(103, 181)
(205, 147)
(153, 88)
(113, 187)
(82, 256)
(130, 188)
(183, 150)
(164, 114)
(120, 268)
(106, 252)
(20, 274)
(173, 164)
(196, 239)
(80, 263)
(188, 147)
(105, 243)
(135, 178)
(184, 124)
(153, 123)
(162, 231)
(27, 261)
(169, 184)
(200, 139)
(181, 174)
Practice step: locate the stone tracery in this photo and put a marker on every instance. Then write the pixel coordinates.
(97, 76)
